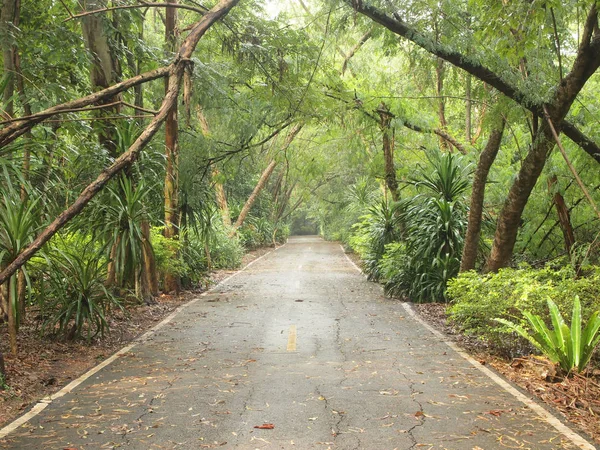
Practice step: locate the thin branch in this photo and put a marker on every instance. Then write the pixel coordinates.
(91, 108)
(141, 5)
(246, 145)
(66, 8)
(557, 40)
(91, 119)
(139, 108)
(365, 37)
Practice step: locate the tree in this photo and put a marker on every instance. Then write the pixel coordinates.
(584, 65)
(172, 283)
(174, 71)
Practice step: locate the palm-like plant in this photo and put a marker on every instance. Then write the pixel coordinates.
(381, 227)
(18, 223)
(76, 299)
(570, 347)
(435, 223)
(124, 212)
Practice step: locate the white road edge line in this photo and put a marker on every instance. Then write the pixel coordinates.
(44, 402)
(539, 410)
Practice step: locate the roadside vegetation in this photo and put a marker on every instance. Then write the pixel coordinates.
(452, 146)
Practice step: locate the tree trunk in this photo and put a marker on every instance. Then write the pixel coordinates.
(103, 68)
(21, 294)
(149, 279)
(13, 324)
(111, 272)
(257, 189)
(2, 372)
(486, 159)
(8, 22)
(172, 281)
(564, 217)
(388, 150)
(263, 180)
(510, 217)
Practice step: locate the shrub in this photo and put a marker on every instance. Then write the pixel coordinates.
(435, 222)
(478, 299)
(166, 253)
(375, 230)
(227, 252)
(72, 295)
(259, 232)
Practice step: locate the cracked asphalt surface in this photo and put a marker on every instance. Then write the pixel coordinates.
(302, 341)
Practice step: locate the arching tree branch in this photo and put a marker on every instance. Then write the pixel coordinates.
(478, 70)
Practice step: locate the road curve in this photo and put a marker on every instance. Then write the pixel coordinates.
(302, 341)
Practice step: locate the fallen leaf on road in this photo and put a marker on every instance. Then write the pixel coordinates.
(498, 412)
(265, 426)
(419, 414)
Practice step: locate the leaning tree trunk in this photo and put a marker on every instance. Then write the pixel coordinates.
(255, 193)
(263, 181)
(510, 217)
(172, 281)
(486, 159)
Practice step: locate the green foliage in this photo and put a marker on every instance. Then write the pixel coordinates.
(187, 256)
(124, 210)
(18, 223)
(375, 230)
(570, 347)
(260, 232)
(72, 296)
(435, 222)
(478, 299)
(166, 253)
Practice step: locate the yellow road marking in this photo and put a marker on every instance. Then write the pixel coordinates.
(291, 346)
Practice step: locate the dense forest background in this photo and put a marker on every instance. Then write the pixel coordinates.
(452, 145)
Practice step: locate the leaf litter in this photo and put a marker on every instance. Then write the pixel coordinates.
(577, 398)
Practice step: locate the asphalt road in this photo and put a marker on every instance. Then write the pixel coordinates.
(302, 341)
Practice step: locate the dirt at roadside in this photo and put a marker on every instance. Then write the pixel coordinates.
(44, 366)
(577, 398)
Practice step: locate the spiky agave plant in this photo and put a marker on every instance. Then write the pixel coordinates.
(19, 220)
(77, 301)
(124, 212)
(570, 347)
(382, 227)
